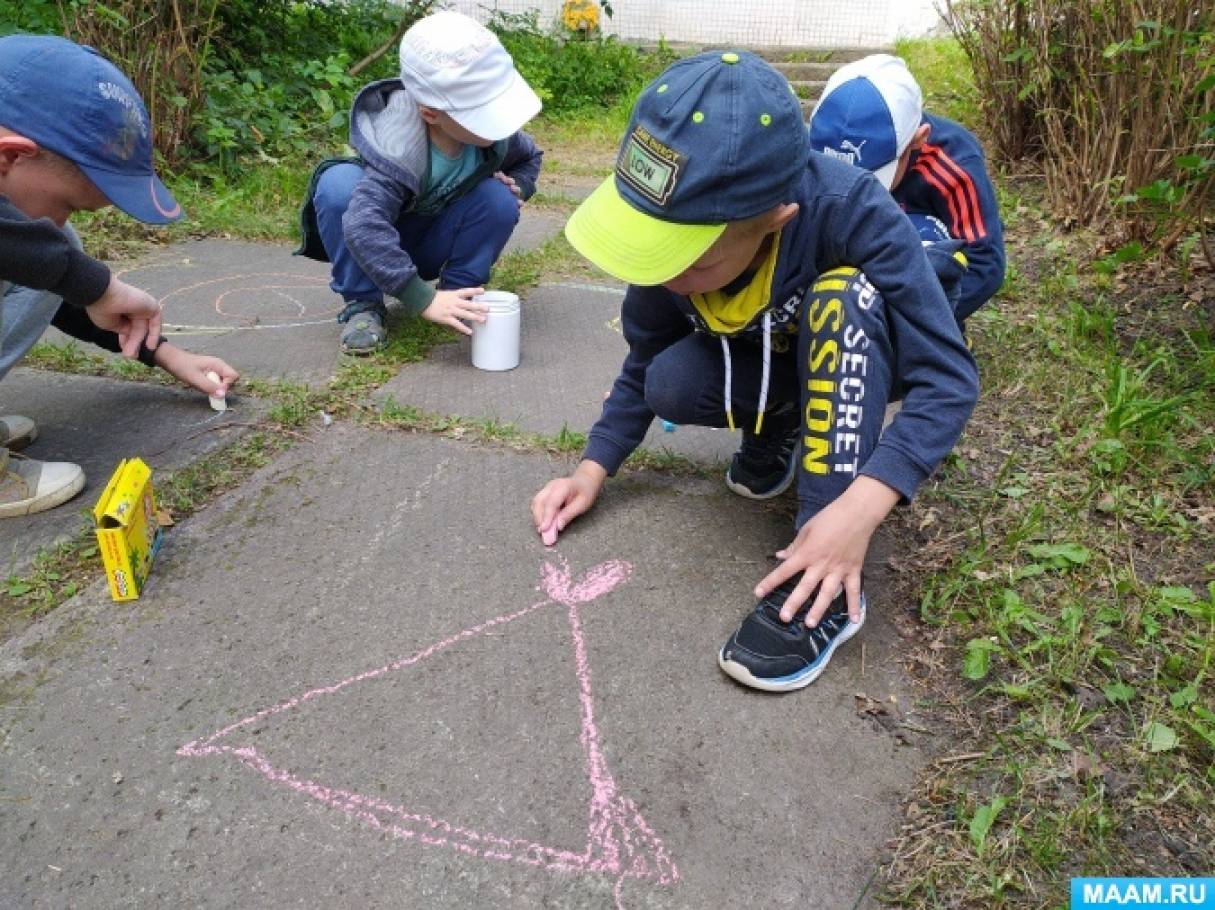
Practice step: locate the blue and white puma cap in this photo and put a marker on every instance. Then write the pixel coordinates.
(867, 115)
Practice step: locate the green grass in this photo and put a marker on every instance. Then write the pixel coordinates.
(944, 74)
(1070, 580)
(72, 358)
(1062, 561)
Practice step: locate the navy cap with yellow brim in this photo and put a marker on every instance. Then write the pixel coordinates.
(629, 244)
(716, 138)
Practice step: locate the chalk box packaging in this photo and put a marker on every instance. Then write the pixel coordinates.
(128, 533)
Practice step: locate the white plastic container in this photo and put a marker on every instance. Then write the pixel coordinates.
(495, 342)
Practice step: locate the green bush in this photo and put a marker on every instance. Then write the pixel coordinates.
(257, 32)
(570, 73)
(35, 17)
(269, 80)
(298, 110)
(1113, 100)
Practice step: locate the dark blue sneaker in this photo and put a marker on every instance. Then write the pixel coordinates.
(364, 331)
(765, 464)
(774, 656)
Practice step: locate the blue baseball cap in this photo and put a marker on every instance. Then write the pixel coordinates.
(716, 138)
(868, 114)
(71, 100)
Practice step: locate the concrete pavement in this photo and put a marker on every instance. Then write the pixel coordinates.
(359, 680)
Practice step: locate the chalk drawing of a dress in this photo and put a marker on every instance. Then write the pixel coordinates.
(619, 842)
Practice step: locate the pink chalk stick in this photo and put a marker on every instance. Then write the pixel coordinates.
(549, 535)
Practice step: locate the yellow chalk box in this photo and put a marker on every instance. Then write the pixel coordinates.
(128, 534)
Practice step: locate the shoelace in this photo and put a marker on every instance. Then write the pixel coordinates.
(762, 450)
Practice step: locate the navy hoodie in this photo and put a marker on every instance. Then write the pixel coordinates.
(846, 218)
(948, 178)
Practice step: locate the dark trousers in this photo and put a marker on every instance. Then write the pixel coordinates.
(458, 246)
(838, 374)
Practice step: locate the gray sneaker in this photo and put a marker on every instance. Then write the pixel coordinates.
(17, 432)
(28, 486)
(364, 333)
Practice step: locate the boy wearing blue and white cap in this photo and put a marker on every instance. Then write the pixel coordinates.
(443, 168)
(785, 292)
(74, 136)
(871, 114)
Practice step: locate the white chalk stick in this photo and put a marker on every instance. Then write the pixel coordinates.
(218, 402)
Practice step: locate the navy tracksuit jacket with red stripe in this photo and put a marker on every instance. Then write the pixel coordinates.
(947, 178)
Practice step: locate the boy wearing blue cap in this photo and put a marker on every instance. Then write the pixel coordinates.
(74, 136)
(785, 292)
(443, 168)
(871, 114)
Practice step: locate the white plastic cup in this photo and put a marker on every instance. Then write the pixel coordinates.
(495, 342)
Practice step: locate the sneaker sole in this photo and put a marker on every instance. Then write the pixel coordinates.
(21, 442)
(45, 501)
(362, 352)
(794, 681)
(786, 482)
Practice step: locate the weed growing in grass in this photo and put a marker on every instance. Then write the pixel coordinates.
(63, 358)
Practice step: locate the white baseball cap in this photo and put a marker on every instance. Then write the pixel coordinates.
(868, 113)
(454, 64)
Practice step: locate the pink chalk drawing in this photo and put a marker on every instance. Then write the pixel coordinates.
(620, 844)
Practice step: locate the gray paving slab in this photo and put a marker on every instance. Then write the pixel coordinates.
(574, 187)
(95, 423)
(268, 313)
(387, 693)
(265, 311)
(571, 352)
(536, 227)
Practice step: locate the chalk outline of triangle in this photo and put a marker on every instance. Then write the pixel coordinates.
(619, 841)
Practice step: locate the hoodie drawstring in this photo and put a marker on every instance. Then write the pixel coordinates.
(725, 353)
(763, 384)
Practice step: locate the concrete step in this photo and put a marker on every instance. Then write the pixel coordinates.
(828, 57)
(814, 72)
(808, 88)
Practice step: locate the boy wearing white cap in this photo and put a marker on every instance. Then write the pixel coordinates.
(443, 168)
(871, 115)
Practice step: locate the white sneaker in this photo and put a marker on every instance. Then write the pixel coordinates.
(28, 486)
(16, 432)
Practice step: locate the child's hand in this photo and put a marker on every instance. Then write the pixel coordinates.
(449, 307)
(192, 369)
(133, 315)
(562, 500)
(831, 549)
(512, 186)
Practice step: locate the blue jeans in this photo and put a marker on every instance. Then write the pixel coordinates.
(458, 246)
(25, 314)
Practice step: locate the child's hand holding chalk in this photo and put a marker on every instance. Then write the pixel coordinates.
(207, 374)
(564, 499)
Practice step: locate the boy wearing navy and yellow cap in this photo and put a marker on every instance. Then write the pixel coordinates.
(786, 293)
